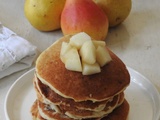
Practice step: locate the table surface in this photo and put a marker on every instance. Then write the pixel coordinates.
(136, 41)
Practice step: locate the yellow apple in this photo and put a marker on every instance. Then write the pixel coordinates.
(116, 10)
(44, 15)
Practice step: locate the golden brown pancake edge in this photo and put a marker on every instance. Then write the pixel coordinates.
(113, 79)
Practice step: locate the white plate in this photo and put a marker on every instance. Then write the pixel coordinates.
(142, 96)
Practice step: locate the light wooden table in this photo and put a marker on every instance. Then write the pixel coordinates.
(136, 41)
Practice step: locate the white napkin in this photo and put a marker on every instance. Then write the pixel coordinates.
(16, 53)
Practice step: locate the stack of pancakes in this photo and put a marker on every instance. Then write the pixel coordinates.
(67, 95)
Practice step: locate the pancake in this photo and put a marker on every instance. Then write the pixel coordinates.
(120, 113)
(48, 113)
(68, 95)
(76, 113)
(42, 99)
(112, 80)
(84, 114)
(35, 112)
(54, 98)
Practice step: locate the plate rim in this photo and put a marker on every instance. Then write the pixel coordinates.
(9, 91)
(129, 69)
(157, 117)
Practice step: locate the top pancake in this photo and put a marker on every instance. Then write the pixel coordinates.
(112, 79)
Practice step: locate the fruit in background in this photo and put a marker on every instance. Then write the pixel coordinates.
(84, 16)
(116, 10)
(44, 15)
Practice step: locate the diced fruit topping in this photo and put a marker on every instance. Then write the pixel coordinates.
(78, 39)
(99, 43)
(84, 55)
(89, 69)
(72, 60)
(88, 52)
(102, 56)
(64, 49)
